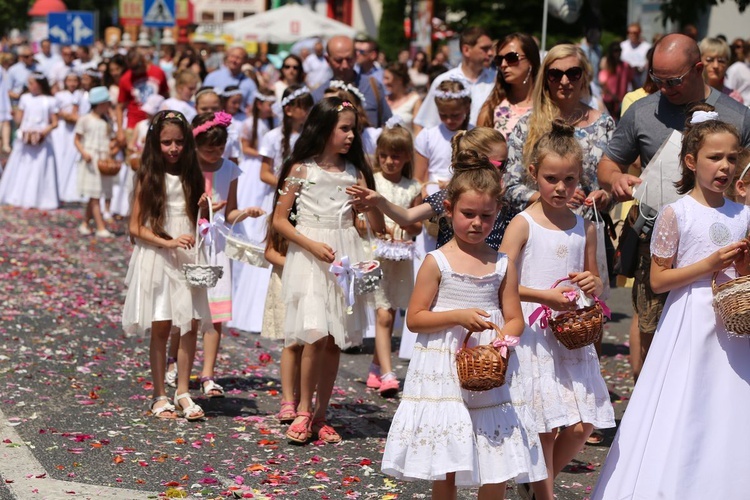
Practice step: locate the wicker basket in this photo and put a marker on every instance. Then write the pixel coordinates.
(203, 275)
(482, 367)
(579, 328)
(237, 247)
(732, 303)
(108, 166)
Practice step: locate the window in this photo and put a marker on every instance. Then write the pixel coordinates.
(227, 16)
(207, 17)
(248, 14)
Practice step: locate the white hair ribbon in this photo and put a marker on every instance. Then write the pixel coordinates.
(703, 116)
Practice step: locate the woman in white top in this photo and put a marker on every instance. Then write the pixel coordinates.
(402, 99)
(292, 73)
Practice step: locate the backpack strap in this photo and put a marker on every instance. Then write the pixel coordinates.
(376, 91)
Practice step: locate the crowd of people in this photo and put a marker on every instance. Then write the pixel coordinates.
(312, 201)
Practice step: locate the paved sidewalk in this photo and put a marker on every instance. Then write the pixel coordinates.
(75, 390)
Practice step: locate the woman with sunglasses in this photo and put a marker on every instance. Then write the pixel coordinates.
(558, 93)
(517, 63)
(715, 55)
(291, 74)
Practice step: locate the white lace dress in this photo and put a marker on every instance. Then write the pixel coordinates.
(398, 275)
(685, 432)
(315, 304)
(565, 386)
(484, 437)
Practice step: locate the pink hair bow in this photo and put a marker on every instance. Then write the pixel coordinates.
(504, 343)
(221, 119)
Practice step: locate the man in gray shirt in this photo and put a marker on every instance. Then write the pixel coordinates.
(678, 73)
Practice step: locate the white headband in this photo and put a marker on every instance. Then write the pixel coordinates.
(294, 95)
(231, 93)
(461, 94)
(394, 121)
(703, 116)
(265, 98)
(340, 84)
(742, 176)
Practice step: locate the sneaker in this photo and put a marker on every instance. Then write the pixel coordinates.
(373, 381)
(103, 233)
(389, 387)
(107, 216)
(84, 230)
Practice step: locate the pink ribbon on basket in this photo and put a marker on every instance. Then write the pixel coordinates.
(542, 313)
(504, 343)
(205, 229)
(605, 309)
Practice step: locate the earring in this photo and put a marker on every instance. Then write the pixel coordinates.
(528, 74)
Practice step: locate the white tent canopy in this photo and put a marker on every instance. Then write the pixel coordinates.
(286, 24)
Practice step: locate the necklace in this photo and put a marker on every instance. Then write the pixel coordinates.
(577, 116)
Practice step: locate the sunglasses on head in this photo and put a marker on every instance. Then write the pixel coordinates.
(670, 82)
(290, 66)
(510, 58)
(574, 74)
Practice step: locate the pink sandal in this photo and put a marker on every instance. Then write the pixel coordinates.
(326, 433)
(288, 412)
(300, 428)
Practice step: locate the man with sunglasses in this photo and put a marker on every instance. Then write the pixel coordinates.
(738, 74)
(341, 58)
(367, 51)
(677, 71)
(19, 73)
(476, 58)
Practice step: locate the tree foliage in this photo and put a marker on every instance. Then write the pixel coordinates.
(14, 13)
(391, 32)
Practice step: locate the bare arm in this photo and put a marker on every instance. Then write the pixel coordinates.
(400, 215)
(119, 111)
(79, 146)
(266, 172)
(247, 150)
(510, 302)
(589, 280)
(612, 178)
(420, 168)
(274, 257)
(147, 235)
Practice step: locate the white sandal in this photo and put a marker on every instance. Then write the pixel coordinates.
(157, 412)
(192, 412)
(208, 385)
(170, 377)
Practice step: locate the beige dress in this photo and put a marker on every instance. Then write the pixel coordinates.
(95, 135)
(274, 312)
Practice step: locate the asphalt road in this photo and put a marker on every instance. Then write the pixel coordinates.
(74, 392)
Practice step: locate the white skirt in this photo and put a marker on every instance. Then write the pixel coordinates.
(29, 179)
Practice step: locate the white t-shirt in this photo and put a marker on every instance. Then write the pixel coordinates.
(184, 107)
(246, 131)
(317, 71)
(270, 147)
(635, 56)
(434, 143)
(480, 91)
(222, 178)
(370, 137)
(738, 78)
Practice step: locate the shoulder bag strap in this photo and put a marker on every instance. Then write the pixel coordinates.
(376, 91)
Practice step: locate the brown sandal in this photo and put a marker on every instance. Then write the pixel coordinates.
(300, 428)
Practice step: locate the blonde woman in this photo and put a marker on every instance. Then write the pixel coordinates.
(715, 56)
(560, 87)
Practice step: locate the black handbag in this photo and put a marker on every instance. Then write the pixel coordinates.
(625, 259)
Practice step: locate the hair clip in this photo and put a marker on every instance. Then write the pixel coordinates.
(221, 119)
(265, 98)
(38, 76)
(348, 87)
(294, 95)
(394, 121)
(166, 115)
(229, 93)
(345, 105)
(703, 116)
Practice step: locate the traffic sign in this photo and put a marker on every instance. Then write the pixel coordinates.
(159, 13)
(71, 28)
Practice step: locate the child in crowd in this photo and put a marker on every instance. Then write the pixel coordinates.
(319, 315)
(231, 102)
(66, 158)
(29, 179)
(440, 432)
(739, 191)
(186, 83)
(548, 241)
(169, 190)
(684, 432)
(94, 140)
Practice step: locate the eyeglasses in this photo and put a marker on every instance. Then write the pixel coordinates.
(511, 58)
(363, 52)
(289, 66)
(574, 74)
(500, 165)
(719, 60)
(669, 82)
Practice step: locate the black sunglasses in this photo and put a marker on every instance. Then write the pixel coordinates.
(288, 66)
(512, 58)
(574, 74)
(670, 82)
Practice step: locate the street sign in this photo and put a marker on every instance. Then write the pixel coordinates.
(159, 13)
(71, 28)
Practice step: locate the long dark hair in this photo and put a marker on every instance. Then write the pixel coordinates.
(150, 178)
(303, 101)
(253, 139)
(300, 71)
(44, 86)
(318, 127)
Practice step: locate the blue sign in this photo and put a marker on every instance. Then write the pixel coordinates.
(159, 13)
(71, 28)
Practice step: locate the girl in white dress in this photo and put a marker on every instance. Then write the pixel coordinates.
(231, 102)
(393, 160)
(319, 315)
(29, 180)
(548, 242)
(440, 432)
(66, 158)
(274, 147)
(685, 433)
(169, 190)
(94, 140)
(186, 83)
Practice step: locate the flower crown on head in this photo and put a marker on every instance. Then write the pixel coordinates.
(461, 94)
(345, 105)
(93, 73)
(294, 95)
(229, 93)
(340, 84)
(394, 121)
(38, 76)
(221, 119)
(165, 115)
(265, 98)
